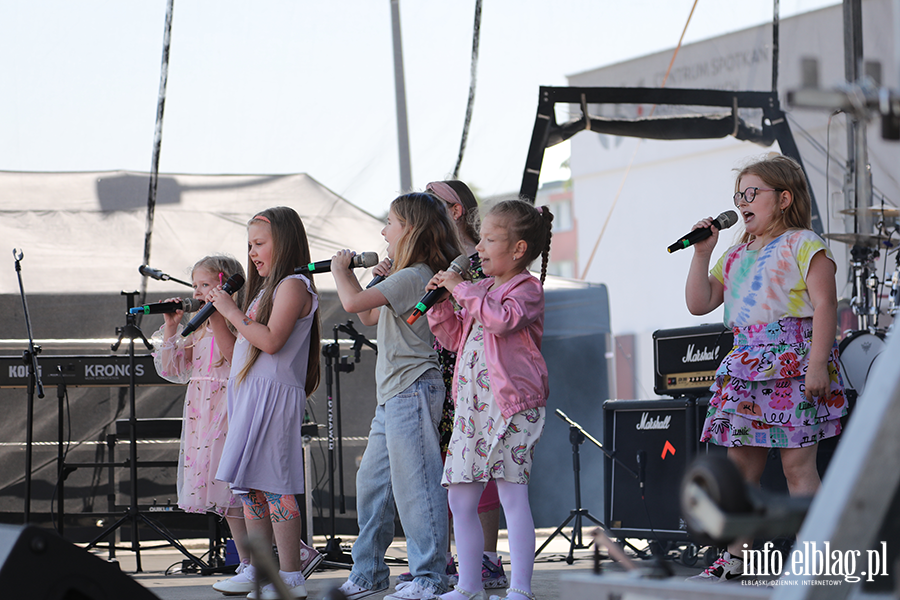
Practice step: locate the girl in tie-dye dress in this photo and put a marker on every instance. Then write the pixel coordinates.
(780, 386)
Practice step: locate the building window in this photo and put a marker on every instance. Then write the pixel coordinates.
(562, 216)
(561, 268)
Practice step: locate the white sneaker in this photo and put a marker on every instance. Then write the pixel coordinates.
(241, 584)
(295, 583)
(354, 592)
(411, 590)
(726, 568)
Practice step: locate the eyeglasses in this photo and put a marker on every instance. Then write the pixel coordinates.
(749, 194)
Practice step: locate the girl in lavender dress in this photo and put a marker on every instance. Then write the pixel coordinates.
(274, 369)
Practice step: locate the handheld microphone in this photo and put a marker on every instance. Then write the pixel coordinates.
(233, 284)
(377, 279)
(723, 221)
(364, 260)
(186, 304)
(459, 266)
(152, 273)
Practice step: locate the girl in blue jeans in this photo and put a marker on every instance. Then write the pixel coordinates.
(402, 462)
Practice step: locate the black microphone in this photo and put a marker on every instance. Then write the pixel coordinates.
(186, 304)
(152, 273)
(459, 265)
(723, 221)
(377, 279)
(364, 260)
(642, 468)
(233, 284)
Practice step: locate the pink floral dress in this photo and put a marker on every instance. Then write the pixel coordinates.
(205, 417)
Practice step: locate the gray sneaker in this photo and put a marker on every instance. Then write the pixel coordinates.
(726, 568)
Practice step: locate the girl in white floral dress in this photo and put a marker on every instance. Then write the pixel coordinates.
(501, 388)
(202, 360)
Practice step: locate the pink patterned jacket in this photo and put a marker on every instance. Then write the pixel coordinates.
(513, 320)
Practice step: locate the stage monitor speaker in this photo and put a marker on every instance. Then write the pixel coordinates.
(38, 564)
(652, 442)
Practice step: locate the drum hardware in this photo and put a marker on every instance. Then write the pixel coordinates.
(885, 212)
(869, 240)
(865, 286)
(894, 302)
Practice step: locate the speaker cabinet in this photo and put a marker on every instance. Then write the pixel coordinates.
(665, 435)
(39, 565)
(652, 442)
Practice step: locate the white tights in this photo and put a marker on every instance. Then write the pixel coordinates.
(463, 499)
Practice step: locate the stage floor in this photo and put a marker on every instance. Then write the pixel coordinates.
(550, 566)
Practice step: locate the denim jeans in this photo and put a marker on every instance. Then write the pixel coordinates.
(402, 464)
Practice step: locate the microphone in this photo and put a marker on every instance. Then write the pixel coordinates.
(377, 279)
(233, 284)
(642, 468)
(723, 221)
(364, 260)
(459, 265)
(152, 273)
(187, 305)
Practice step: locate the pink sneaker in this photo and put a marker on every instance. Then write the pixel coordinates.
(309, 559)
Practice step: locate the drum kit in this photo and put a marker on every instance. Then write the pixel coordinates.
(860, 348)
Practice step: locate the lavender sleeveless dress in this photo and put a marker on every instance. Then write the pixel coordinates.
(264, 448)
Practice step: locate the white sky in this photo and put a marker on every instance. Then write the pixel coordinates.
(288, 86)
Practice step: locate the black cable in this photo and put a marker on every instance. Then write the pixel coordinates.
(61, 475)
(827, 173)
(476, 35)
(318, 479)
(653, 533)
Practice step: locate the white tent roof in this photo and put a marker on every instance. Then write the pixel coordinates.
(84, 232)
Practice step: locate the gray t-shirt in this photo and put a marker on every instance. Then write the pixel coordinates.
(405, 351)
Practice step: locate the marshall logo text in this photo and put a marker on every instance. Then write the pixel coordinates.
(692, 355)
(654, 423)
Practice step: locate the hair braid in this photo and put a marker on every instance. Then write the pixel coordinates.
(547, 217)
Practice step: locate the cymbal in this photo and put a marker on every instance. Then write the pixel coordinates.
(875, 211)
(858, 239)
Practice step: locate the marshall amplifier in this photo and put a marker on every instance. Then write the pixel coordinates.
(685, 360)
(652, 442)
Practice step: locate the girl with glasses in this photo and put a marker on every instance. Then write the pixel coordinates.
(780, 386)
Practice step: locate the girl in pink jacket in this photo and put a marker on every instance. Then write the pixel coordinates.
(500, 388)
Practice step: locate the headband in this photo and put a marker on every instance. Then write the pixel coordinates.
(445, 193)
(262, 218)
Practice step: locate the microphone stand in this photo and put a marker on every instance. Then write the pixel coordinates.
(577, 435)
(164, 277)
(29, 357)
(134, 514)
(334, 365)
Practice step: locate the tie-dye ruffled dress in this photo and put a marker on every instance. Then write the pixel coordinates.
(758, 395)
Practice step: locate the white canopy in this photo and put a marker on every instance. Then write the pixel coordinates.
(84, 232)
